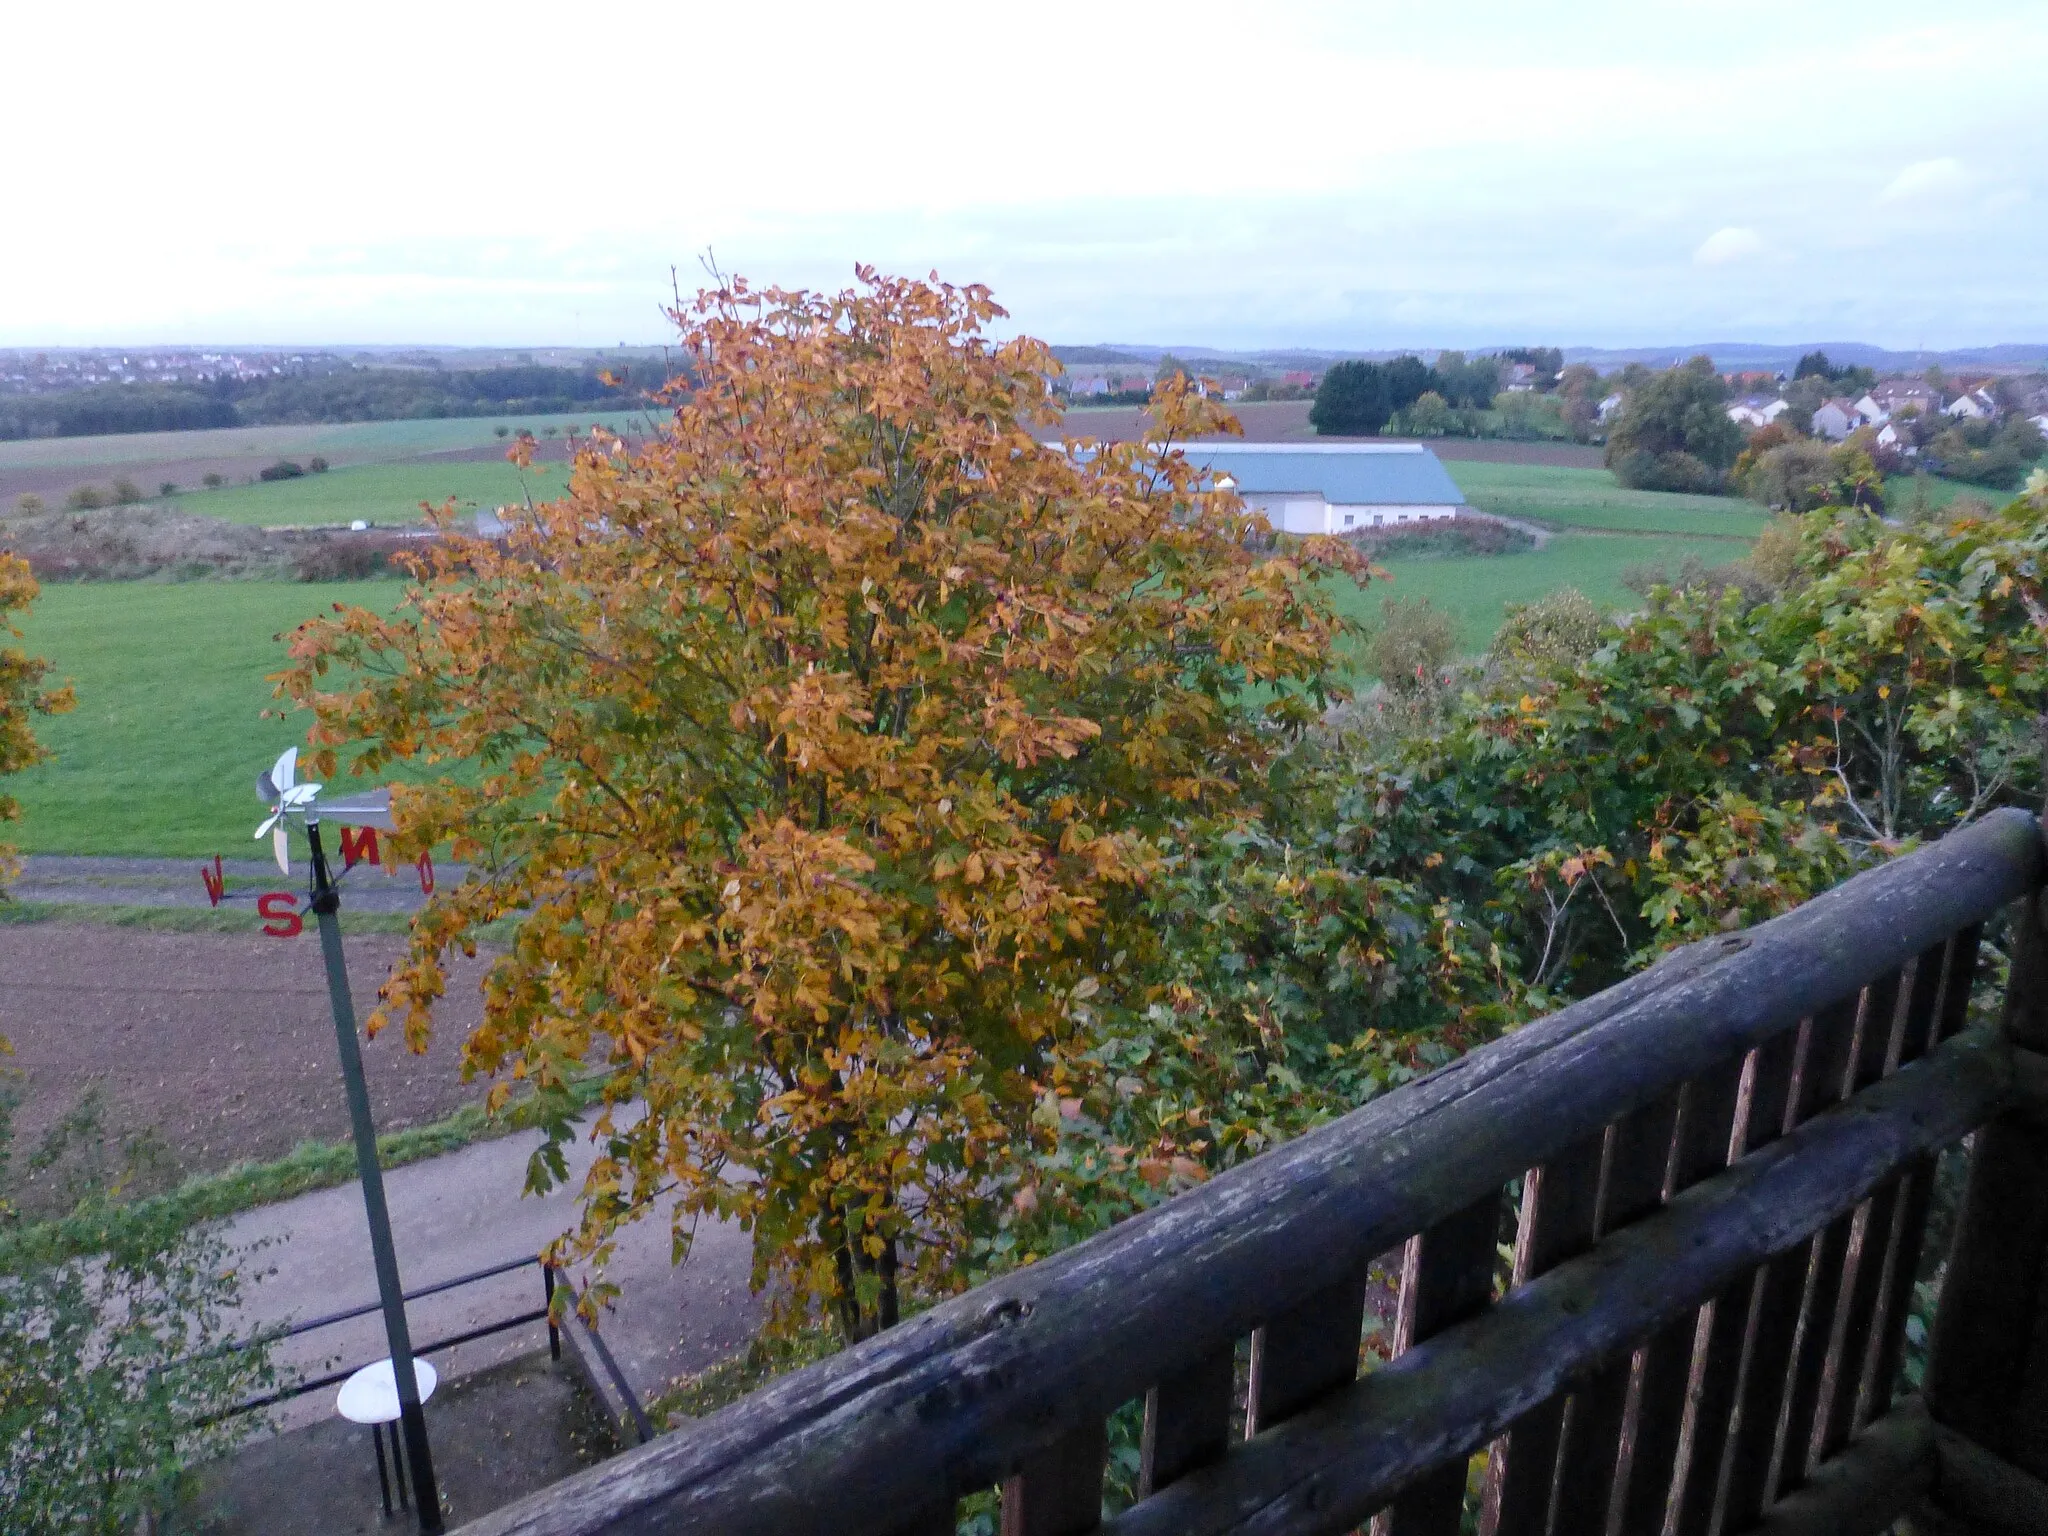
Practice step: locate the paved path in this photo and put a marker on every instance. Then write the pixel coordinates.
(464, 1212)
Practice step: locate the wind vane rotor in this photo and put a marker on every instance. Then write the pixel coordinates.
(278, 788)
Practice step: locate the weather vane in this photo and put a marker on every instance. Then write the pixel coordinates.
(279, 789)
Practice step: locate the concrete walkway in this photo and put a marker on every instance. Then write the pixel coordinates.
(456, 1214)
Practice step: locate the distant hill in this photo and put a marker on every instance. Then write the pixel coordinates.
(1729, 356)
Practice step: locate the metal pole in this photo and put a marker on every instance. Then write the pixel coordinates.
(326, 904)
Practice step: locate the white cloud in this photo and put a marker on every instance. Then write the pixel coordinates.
(1926, 178)
(1069, 152)
(1735, 243)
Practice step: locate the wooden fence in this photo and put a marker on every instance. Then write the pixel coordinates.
(1715, 1180)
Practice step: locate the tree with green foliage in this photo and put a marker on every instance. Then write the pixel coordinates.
(1469, 384)
(1428, 416)
(1563, 629)
(1674, 433)
(1997, 454)
(1410, 645)
(103, 1406)
(1351, 401)
(1408, 379)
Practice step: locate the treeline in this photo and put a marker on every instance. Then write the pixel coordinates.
(1447, 398)
(367, 394)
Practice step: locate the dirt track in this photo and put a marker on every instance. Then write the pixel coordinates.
(219, 1044)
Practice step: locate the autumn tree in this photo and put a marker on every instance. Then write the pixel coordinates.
(22, 694)
(822, 747)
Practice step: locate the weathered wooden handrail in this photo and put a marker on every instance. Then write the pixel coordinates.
(1646, 1278)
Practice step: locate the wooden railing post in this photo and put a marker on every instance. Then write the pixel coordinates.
(1987, 1378)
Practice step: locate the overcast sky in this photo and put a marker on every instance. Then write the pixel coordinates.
(1235, 175)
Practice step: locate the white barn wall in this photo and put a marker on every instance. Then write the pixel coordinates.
(1295, 514)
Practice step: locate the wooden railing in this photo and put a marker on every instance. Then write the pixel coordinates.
(1716, 1179)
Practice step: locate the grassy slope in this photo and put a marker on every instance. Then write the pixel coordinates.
(169, 730)
(361, 442)
(380, 493)
(1589, 498)
(1475, 591)
(161, 755)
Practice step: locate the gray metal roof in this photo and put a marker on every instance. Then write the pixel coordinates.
(1345, 474)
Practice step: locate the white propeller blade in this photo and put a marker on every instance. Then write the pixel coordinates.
(282, 792)
(276, 781)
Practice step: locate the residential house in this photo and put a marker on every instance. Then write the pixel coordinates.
(1893, 396)
(1973, 405)
(1872, 412)
(1889, 436)
(1333, 487)
(1609, 408)
(1835, 420)
(1520, 378)
(1757, 410)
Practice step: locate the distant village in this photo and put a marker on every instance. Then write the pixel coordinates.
(1898, 410)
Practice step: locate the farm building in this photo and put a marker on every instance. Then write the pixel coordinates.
(1333, 487)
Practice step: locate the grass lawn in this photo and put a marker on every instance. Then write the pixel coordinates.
(1589, 498)
(1905, 495)
(353, 442)
(161, 755)
(1475, 591)
(162, 752)
(380, 493)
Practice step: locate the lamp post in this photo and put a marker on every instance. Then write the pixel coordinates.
(419, 1456)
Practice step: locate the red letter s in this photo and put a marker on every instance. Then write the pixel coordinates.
(280, 914)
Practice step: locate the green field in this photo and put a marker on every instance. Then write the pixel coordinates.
(1589, 498)
(346, 442)
(379, 493)
(161, 755)
(1475, 591)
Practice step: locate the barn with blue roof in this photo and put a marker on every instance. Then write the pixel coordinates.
(1333, 487)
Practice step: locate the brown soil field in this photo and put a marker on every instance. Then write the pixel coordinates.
(220, 1047)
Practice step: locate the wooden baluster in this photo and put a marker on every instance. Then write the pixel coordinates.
(1775, 1311)
(1638, 1164)
(1446, 1277)
(1956, 984)
(1058, 1492)
(1707, 1125)
(1986, 1375)
(1187, 1421)
(1902, 1263)
(1304, 1353)
(1560, 1202)
(1767, 1097)
(1877, 1030)
(1878, 1239)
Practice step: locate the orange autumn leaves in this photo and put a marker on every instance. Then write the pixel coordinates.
(821, 743)
(22, 695)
